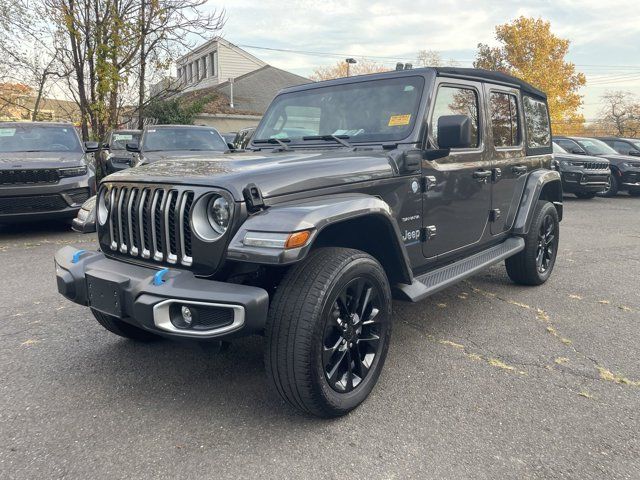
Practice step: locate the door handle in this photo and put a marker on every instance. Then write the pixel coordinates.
(482, 175)
(519, 170)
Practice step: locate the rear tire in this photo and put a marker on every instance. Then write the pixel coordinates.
(328, 331)
(123, 329)
(534, 264)
(585, 195)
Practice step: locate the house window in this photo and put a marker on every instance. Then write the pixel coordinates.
(212, 64)
(196, 72)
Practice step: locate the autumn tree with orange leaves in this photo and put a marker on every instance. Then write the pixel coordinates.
(530, 51)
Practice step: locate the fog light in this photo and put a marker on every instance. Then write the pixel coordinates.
(187, 316)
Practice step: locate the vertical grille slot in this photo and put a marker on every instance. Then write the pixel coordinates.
(132, 218)
(143, 221)
(185, 228)
(156, 224)
(169, 226)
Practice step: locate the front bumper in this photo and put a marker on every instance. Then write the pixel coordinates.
(631, 179)
(585, 181)
(134, 294)
(20, 203)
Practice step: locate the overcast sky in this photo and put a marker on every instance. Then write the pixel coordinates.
(605, 35)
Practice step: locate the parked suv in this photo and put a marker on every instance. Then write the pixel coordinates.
(624, 146)
(113, 154)
(45, 171)
(582, 175)
(161, 142)
(625, 169)
(408, 182)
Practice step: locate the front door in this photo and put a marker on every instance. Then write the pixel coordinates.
(457, 200)
(511, 165)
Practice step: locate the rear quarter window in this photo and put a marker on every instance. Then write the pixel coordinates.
(538, 128)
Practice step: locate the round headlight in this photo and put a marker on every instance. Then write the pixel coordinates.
(103, 207)
(219, 213)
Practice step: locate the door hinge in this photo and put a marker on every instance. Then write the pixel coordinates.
(428, 183)
(428, 232)
(495, 215)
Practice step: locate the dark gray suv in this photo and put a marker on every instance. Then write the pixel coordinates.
(351, 192)
(45, 171)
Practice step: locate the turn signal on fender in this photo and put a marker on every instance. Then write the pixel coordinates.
(298, 239)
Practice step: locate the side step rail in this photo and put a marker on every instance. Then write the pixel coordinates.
(443, 277)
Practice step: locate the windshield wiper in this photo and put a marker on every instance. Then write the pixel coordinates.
(275, 140)
(341, 139)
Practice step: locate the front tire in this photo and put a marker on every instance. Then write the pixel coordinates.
(123, 329)
(328, 331)
(534, 264)
(613, 188)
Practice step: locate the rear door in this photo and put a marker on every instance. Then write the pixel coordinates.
(510, 162)
(458, 187)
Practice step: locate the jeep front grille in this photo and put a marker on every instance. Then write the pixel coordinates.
(596, 166)
(29, 177)
(151, 223)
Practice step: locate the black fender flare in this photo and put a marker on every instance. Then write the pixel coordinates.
(316, 214)
(541, 184)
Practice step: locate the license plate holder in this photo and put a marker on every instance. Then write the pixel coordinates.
(105, 292)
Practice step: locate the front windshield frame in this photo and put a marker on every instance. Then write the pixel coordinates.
(604, 148)
(410, 118)
(69, 141)
(145, 147)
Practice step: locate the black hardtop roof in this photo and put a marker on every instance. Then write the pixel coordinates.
(454, 72)
(201, 127)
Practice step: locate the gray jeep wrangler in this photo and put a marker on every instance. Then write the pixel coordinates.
(352, 192)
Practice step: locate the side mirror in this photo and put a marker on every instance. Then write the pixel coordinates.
(133, 147)
(578, 151)
(105, 146)
(634, 153)
(233, 147)
(454, 131)
(90, 147)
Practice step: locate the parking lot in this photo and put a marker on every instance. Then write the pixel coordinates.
(484, 380)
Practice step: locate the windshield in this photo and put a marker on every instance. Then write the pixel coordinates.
(558, 149)
(119, 140)
(368, 111)
(596, 147)
(174, 139)
(39, 138)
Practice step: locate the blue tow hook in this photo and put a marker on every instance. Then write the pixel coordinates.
(76, 256)
(158, 278)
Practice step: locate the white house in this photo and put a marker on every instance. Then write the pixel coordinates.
(214, 62)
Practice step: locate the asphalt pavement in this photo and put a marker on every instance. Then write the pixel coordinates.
(486, 380)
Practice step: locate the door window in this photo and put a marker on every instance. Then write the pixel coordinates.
(456, 101)
(536, 118)
(505, 123)
(621, 147)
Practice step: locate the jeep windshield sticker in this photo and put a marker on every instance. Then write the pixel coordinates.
(399, 120)
(7, 132)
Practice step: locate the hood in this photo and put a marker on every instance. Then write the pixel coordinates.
(618, 159)
(572, 157)
(152, 157)
(274, 173)
(38, 160)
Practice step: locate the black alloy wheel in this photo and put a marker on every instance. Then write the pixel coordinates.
(546, 244)
(352, 335)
